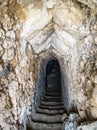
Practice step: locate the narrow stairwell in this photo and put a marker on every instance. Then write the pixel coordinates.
(48, 114)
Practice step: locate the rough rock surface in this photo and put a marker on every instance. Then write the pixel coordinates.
(71, 123)
(32, 32)
(88, 126)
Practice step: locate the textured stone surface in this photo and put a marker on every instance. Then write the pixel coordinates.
(31, 33)
(71, 123)
(88, 126)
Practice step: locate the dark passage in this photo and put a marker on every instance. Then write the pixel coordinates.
(48, 114)
(53, 80)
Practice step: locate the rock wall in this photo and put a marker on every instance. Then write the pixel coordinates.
(31, 33)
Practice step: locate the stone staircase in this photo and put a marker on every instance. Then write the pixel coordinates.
(48, 114)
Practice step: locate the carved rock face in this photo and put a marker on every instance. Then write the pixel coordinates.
(34, 32)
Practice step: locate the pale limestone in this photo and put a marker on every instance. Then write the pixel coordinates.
(88, 126)
(1, 68)
(31, 34)
(8, 55)
(71, 123)
(64, 117)
(32, 26)
(13, 88)
(50, 4)
(1, 51)
(9, 44)
(10, 34)
(91, 4)
(2, 34)
(7, 22)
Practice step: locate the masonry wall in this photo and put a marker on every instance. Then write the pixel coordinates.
(30, 32)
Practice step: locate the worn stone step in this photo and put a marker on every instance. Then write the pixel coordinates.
(53, 94)
(49, 112)
(52, 107)
(42, 126)
(51, 103)
(53, 98)
(43, 118)
(53, 86)
(53, 90)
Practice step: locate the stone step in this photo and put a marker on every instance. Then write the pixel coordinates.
(42, 118)
(51, 103)
(42, 126)
(52, 107)
(53, 94)
(49, 112)
(50, 87)
(53, 90)
(53, 98)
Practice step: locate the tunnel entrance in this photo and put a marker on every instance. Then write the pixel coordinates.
(48, 113)
(53, 76)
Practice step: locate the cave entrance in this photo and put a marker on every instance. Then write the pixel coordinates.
(53, 76)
